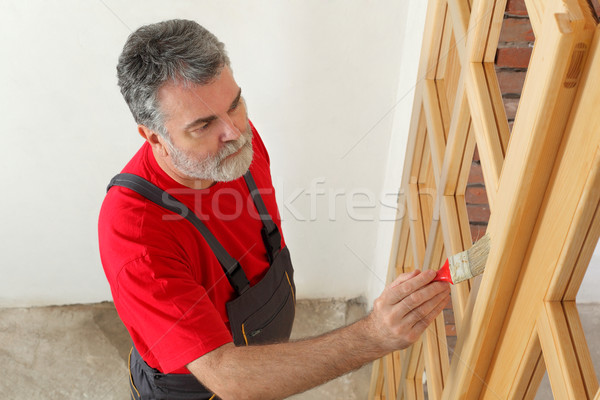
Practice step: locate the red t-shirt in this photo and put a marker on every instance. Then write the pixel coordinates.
(167, 285)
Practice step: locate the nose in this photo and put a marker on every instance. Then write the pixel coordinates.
(229, 131)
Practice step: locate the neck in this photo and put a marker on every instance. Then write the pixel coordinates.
(166, 165)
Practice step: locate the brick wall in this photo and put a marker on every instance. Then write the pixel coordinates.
(512, 59)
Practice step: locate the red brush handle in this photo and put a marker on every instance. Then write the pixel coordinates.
(443, 274)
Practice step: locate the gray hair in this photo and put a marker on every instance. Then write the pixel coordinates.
(175, 50)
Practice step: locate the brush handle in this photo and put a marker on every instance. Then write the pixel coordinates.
(443, 274)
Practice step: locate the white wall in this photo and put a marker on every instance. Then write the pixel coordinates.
(319, 78)
(411, 51)
(588, 292)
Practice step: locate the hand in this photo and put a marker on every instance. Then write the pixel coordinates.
(406, 308)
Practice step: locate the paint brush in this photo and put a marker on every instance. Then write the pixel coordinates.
(467, 264)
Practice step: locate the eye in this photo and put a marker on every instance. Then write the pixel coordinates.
(235, 105)
(201, 128)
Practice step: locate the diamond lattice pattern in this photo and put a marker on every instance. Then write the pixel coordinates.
(519, 319)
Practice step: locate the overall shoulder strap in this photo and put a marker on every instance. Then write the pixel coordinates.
(270, 232)
(232, 268)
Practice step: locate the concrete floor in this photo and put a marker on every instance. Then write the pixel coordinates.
(80, 351)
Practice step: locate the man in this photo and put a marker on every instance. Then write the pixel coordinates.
(201, 276)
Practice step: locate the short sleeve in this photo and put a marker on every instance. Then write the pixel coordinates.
(169, 311)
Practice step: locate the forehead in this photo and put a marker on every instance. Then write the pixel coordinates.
(181, 103)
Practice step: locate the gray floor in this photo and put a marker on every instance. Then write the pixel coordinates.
(80, 351)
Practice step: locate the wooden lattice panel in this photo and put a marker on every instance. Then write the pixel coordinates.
(543, 184)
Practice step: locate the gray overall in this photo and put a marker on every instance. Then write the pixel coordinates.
(263, 313)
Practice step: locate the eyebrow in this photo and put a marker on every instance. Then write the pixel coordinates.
(210, 118)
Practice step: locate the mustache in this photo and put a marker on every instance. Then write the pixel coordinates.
(234, 146)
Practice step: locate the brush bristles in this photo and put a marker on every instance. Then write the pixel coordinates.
(478, 255)
(471, 262)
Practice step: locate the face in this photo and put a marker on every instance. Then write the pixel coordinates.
(210, 137)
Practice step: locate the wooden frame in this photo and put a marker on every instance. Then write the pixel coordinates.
(543, 185)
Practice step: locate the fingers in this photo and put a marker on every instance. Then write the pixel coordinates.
(404, 277)
(407, 307)
(407, 284)
(420, 317)
(420, 302)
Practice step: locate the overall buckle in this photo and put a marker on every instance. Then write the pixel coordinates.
(272, 242)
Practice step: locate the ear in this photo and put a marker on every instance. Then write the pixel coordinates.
(155, 140)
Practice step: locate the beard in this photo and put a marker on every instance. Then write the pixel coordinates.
(217, 167)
